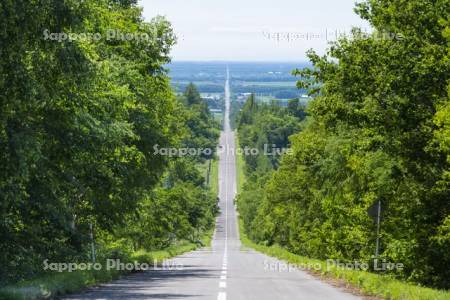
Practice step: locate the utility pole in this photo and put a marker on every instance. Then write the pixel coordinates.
(208, 172)
(374, 212)
(377, 250)
(92, 243)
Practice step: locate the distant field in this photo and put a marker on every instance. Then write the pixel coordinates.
(274, 84)
(282, 102)
(203, 86)
(247, 70)
(282, 84)
(197, 82)
(265, 99)
(273, 81)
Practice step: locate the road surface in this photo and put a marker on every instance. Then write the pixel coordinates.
(226, 270)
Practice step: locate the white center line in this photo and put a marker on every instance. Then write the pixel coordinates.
(225, 183)
(222, 296)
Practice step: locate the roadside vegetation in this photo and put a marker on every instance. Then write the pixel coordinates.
(54, 285)
(378, 129)
(79, 122)
(366, 283)
(240, 174)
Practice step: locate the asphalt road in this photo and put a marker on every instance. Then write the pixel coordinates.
(226, 270)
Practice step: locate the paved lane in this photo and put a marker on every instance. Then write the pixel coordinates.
(226, 270)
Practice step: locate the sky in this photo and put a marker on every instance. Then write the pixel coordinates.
(253, 30)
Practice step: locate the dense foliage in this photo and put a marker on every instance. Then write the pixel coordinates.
(203, 135)
(264, 131)
(378, 131)
(78, 122)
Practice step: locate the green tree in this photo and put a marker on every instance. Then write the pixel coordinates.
(78, 120)
(377, 132)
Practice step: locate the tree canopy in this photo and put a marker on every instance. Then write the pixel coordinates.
(377, 131)
(78, 121)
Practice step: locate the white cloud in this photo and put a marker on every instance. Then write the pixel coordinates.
(234, 29)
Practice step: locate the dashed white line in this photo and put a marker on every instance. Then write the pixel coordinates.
(223, 284)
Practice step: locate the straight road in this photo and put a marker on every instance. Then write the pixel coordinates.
(226, 270)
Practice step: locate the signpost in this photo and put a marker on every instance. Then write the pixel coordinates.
(375, 212)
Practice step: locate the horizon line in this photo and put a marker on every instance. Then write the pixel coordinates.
(238, 61)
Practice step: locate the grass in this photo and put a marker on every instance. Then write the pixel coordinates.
(273, 84)
(213, 176)
(218, 117)
(203, 168)
(214, 180)
(55, 285)
(367, 283)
